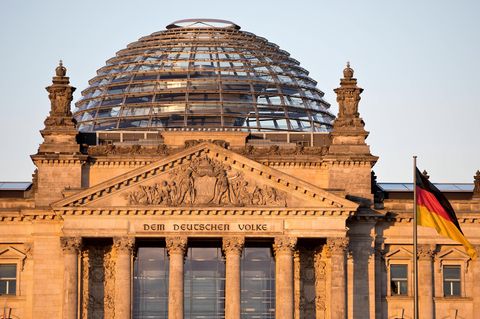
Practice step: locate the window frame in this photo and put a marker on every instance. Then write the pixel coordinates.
(9, 279)
(10, 255)
(451, 281)
(390, 279)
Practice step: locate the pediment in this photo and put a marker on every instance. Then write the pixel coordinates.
(11, 253)
(399, 254)
(453, 254)
(206, 175)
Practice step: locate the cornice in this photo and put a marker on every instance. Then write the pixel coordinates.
(207, 211)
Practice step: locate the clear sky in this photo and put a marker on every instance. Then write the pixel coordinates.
(416, 60)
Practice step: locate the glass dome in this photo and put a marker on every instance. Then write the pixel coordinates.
(203, 74)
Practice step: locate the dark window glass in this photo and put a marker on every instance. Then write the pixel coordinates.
(150, 284)
(8, 279)
(399, 279)
(204, 285)
(139, 99)
(257, 283)
(451, 281)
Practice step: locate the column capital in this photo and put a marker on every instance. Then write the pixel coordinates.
(70, 245)
(233, 244)
(337, 245)
(284, 244)
(124, 244)
(426, 251)
(176, 244)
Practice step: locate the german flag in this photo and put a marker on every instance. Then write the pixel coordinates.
(434, 210)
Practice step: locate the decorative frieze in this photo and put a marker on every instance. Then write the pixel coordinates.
(233, 245)
(124, 244)
(176, 244)
(70, 245)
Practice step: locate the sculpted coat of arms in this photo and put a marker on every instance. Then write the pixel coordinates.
(205, 181)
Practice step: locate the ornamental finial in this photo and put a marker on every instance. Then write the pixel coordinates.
(60, 70)
(348, 72)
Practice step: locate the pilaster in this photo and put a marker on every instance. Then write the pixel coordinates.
(123, 247)
(425, 255)
(71, 248)
(284, 248)
(232, 248)
(176, 248)
(337, 247)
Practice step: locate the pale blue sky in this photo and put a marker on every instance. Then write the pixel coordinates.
(416, 60)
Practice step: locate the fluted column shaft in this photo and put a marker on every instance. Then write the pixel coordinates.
(232, 248)
(425, 281)
(284, 285)
(176, 247)
(336, 251)
(123, 247)
(71, 248)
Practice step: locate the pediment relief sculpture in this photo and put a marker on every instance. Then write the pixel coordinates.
(205, 181)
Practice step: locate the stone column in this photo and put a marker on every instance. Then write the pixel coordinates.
(71, 248)
(123, 288)
(176, 247)
(284, 305)
(337, 247)
(425, 281)
(476, 282)
(232, 248)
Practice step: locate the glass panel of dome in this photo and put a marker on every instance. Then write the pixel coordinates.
(138, 99)
(133, 123)
(121, 78)
(102, 113)
(105, 125)
(143, 77)
(142, 88)
(135, 111)
(116, 89)
(108, 102)
(87, 126)
(204, 108)
(88, 115)
(170, 97)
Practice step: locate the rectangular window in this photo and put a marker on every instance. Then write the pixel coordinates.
(399, 280)
(8, 279)
(451, 281)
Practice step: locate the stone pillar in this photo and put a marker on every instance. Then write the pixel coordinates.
(476, 282)
(337, 247)
(176, 247)
(123, 287)
(320, 283)
(425, 281)
(284, 305)
(71, 248)
(232, 248)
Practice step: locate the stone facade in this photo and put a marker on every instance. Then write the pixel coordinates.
(75, 234)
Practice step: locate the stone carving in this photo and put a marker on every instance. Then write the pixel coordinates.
(124, 244)
(176, 245)
(205, 182)
(305, 275)
(426, 251)
(276, 150)
(336, 246)
(476, 188)
(60, 95)
(98, 282)
(284, 245)
(320, 283)
(70, 245)
(221, 143)
(111, 149)
(233, 245)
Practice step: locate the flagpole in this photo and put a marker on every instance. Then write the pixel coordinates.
(415, 263)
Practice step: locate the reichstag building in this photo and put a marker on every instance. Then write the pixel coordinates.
(202, 175)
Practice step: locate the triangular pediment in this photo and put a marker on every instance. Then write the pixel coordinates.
(11, 253)
(206, 175)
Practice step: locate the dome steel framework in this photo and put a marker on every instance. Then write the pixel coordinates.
(203, 74)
